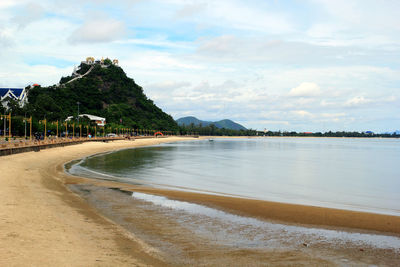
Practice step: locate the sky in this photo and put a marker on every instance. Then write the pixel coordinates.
(310, 65)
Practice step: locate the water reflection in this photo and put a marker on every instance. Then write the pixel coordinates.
(360, 174)
(130, 161)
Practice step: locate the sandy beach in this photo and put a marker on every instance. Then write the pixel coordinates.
(43, 223)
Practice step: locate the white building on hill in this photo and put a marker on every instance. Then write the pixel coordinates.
(92, 60)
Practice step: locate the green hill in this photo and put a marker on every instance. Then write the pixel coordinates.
(226, 124)
(104, 91)
(190, 119)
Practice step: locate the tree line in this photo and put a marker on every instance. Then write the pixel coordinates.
(212, 130)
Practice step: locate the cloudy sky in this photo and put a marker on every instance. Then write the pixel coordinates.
(309, 65)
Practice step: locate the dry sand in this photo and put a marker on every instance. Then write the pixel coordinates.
(42, 223)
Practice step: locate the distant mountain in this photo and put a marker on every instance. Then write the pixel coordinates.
(227, 124)
(189, 120)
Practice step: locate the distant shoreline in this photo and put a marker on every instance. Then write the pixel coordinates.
(273, 136)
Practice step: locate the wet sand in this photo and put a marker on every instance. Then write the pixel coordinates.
(194, 239)
(44, 223)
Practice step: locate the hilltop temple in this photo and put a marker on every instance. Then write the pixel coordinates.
(92, 61)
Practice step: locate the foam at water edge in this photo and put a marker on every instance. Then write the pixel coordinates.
(286, 231)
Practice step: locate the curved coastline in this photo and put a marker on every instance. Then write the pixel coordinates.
(45, 224)
(311, 216)
(289, 213)
(309, 220)
(38, 208)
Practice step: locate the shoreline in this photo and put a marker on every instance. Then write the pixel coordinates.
(286, 213)
(38, 208)
(43, 223)
(167, 225)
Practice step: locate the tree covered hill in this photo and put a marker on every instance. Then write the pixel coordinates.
(226, 124)
(105, 92)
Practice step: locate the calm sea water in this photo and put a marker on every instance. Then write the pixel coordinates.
(355, 174)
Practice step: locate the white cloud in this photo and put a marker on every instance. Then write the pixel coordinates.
(151, 60)
(5, 38)
(262, 49)
(30, 12)
(272, 122)
(99, 30)
(320, 30)
(301, 113)
(220, 45)
(240, 15)
(157, 42)
(190, 10)
(7, 3)
(168, 85)
(357, 22)
(21, 75)
(305, 89)
(361, 101)
(357, 101)
(333, 115)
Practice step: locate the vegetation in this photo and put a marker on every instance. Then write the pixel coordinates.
(212, 130)
(105, 92)
(227, 124)
(328, 134)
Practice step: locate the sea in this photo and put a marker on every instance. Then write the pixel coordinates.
(344, 173)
